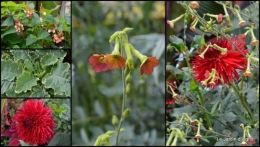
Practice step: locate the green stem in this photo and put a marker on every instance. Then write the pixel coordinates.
(123, 104)
(170, 139)
(243, 101)
(201, 99)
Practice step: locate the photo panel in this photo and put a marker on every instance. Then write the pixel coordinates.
(35, 122)
(118, 73)
(35, 73)
(36, 25)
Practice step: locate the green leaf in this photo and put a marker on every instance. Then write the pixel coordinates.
(11, 93)
(28, 64)
(11, 30)
(48, 59)
(30, 39)
(39, 92)
(25, 82)
(193, 85)
(199, 40)
(177, 43)
(20, 54)
(43, 34)
(16, 46)
(174, 69)
(10, 70)
(230, 117)
(55, 140)
(36, 19)
(13, 38)
(186, 109)
(9, 21)
(51, 19)
(23, 143)
(31, 5)
(5, 85)
(59, 79)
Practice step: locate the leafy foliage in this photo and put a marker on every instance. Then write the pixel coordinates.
(37, 73)
(25, 27)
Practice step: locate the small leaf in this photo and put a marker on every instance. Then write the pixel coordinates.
(16, 46)
(48, 59)
(9, 21)
(43, 34)
(174, 69)
(30, 39)
(199, 40)
(36, 19)
(177, 43)
(28, 64)
(25, 82)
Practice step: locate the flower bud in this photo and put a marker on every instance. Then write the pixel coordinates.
(127, 89)
(115, 120)
(127, 30)
(126, 113)
(128, 78)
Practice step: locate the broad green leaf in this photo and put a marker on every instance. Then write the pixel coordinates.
(177, 43)
(13, 38)
(11, 93)
(9, 21)
(20, 54)
(36, 19)
(199, 40)
(230, 117)
(10, 70)
(58, 53)
(10, 3)
(43, 34)
(193, 85)
(55, 140)
(5, 85)
(25, 82)
(39, 92)
(28, 64)
(30, 39)
(51, 19)
(11, 30)
(186, 109)
(59, 79)
(48, 59)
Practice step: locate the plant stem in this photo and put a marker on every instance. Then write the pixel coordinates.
(123, 103)
(201, 99)
(243, 101)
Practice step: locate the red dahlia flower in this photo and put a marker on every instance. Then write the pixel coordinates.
(213, 66)
(97, 62)
(34, 122)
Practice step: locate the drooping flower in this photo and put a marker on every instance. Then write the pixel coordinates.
(251, 141)
(148, 65)
(97, 62)
(114, 61)
(34, 122)
(218, 63)
(194, 4)
(170, 23)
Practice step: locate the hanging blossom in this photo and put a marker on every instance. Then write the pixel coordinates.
(34, 122)
(217, 62)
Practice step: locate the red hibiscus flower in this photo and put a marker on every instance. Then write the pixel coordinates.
(114, 61)
(34, 122)
(212, 67)
(148, 65)
(97, 62)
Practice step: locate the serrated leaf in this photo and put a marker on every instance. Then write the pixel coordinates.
(20, 54)
(28, 64)
(30, 39)
(43, 34)
(11, 30)
(38, 92)
(36, 19)
(9, 21)
(48, 59)
(25, 82)
(5, 85)
(11, 93)
(10, 70)
(59, 79)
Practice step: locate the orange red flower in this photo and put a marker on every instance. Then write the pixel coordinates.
(114, 61)
(97, 62)
(148, 65)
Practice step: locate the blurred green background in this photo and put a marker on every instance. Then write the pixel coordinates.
(98, 96)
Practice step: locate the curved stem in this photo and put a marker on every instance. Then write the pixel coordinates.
(123, 102)
(201, 99)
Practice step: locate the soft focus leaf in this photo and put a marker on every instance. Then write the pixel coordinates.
(25, 82)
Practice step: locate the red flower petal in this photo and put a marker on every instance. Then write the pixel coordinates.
(170, 101)
(14, 142)
(97, 63)
(148, 66)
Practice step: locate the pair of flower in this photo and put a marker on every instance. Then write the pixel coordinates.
(101, 62)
